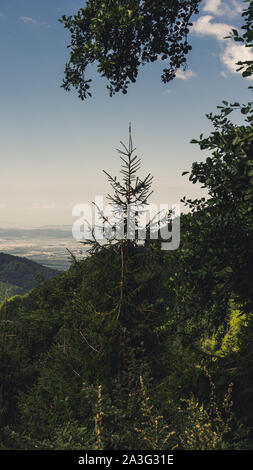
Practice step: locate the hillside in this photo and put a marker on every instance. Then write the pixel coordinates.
(66, 346)
(20, 275)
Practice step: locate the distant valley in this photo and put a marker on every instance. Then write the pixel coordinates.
(20, 275)
(45, 245)
(26, 253)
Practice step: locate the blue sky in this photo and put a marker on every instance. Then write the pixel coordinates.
(54, 147)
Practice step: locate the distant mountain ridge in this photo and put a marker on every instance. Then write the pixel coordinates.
(20, 275)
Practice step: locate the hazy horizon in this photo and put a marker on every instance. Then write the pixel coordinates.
(46, 245)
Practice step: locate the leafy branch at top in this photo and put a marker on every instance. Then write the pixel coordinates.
(122, 35)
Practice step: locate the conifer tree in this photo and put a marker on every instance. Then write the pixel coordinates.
(129, 258)
(131, 192)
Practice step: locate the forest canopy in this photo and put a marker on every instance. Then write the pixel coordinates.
(136, 348)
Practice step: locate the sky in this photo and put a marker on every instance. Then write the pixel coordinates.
(54, 147)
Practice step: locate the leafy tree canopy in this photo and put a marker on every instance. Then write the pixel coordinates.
(122, 35)
(221, 262)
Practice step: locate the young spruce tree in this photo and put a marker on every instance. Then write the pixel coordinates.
(135, 266)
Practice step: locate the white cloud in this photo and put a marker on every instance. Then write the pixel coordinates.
(231, 8)
(212, 6)
(27, 19)
(33, 21)
(234, 53)
(204, 26)
(223, 74)
(231, 52)
(3, 206)
(185, 74)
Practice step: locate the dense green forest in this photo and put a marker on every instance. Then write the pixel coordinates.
(20, 275)
(139, 348)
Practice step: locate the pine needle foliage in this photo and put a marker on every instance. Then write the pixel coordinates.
(131, 190)
(128, 200)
